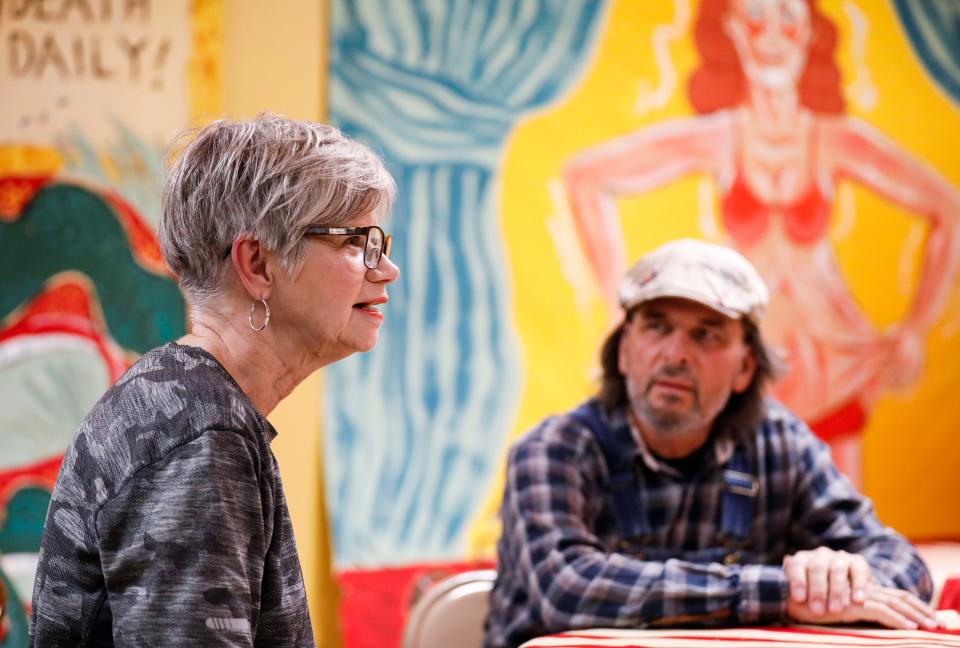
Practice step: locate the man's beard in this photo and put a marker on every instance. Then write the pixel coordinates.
(666, 420)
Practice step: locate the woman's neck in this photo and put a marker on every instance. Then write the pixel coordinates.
(773, 111)
(255, 359)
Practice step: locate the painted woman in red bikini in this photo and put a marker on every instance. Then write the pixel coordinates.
(772, 132)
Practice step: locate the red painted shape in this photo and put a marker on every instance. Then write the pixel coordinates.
(845, 420)
(143, 242)
(67, 306)
(374, 602)
(950, 595)
(747, 218)
(42, 475)
(16, 192)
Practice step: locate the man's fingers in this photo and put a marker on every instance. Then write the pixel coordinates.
(817, 584)
(893, 608)
(795, 569)
(882, 613)
(913, 608)
(860, 577)
(887, 606)
(839, 584)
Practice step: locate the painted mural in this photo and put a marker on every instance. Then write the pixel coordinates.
(540, 147)
(813, 137)
(414, 429)
(772, 134)
(101, 88)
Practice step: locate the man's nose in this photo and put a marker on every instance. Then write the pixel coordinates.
(676, 349)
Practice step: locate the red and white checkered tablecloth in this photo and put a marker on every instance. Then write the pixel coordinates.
(786, 637)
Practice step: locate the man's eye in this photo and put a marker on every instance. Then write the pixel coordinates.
(655, 326)
(356, 241)
(705, 336)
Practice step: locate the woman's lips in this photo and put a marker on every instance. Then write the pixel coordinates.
(370, 307)
(372, 312)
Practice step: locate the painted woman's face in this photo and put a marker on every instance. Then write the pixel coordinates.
(772, 38)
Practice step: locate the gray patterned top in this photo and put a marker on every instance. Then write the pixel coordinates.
(168, 525)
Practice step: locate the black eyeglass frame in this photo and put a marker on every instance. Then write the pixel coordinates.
(349, 231)
(354, 231)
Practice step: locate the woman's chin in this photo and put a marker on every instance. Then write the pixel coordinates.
(367, 347)
(340, 349)
(363, 344)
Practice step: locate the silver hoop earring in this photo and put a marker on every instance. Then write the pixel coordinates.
(266, 316)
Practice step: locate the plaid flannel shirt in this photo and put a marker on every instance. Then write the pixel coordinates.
(560, 566)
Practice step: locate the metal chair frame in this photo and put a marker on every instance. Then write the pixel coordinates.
(451, 612)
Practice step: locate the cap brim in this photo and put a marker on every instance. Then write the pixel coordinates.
(684, 293)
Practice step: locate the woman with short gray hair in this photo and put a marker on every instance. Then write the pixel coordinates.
(168, 525)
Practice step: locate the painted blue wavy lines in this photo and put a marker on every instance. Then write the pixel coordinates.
(415, 428)
(933, 28)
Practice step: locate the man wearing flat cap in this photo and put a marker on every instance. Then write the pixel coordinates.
(679, 495)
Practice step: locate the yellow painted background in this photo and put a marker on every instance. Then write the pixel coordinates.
(911, 455)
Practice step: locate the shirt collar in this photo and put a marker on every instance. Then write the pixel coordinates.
(623, 427)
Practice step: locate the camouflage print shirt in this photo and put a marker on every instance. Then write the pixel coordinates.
(168, 525)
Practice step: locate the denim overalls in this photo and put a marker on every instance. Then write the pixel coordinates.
(736, 505)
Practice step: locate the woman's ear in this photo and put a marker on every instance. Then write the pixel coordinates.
(251, 261)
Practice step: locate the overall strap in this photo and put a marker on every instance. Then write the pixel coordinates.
(628, 512)
(740, 487)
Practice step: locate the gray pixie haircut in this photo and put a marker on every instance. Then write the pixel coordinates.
(268, 178)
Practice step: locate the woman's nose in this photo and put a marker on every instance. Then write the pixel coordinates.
(386, 271)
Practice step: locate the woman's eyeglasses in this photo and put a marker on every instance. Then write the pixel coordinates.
(375, 246)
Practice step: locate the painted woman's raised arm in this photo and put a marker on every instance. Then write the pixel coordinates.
(861, 153)
(636, 163)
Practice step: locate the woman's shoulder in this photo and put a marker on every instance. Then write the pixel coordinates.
(840, 132)
(176, 383)
(704, 133)
(714, 128)
(170, 397)
(170, 362)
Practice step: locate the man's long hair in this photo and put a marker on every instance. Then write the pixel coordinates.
(742, 413)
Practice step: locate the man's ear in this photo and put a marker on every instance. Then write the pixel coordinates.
(621, 349)
(748, 367)
(250, 260)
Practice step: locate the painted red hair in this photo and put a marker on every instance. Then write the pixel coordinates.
(719, 82)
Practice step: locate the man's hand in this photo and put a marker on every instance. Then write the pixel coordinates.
(827, 586)
(827, 580)
(886, 606)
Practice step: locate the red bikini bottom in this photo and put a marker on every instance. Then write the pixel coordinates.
(846, 420)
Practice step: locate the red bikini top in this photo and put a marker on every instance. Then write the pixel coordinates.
(747, 218)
